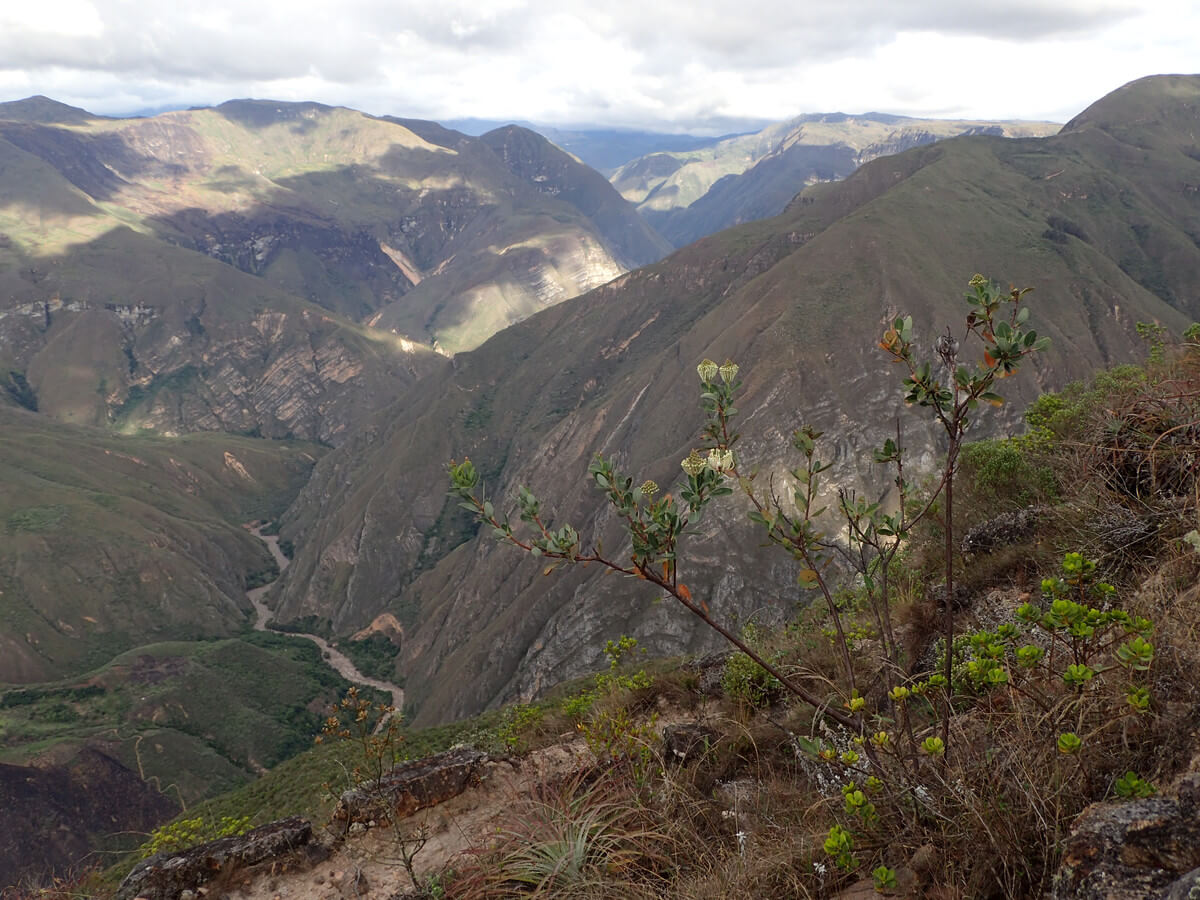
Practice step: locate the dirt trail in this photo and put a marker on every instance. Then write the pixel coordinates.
(336, 659)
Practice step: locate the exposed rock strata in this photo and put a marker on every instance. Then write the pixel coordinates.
(411, 787)
(1136, 850)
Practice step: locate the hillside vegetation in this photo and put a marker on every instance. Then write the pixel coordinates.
(762, 798)
(111, 542)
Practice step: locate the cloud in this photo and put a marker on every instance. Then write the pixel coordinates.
(674, 63)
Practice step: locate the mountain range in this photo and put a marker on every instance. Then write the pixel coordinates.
(1103, 219)
(230, 268)
(299, 314)
(687, 194)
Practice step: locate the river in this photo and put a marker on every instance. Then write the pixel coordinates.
(337, 660)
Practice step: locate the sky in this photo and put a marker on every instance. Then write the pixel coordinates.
(704, 66)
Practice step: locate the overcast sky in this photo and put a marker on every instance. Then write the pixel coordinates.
(698, 65)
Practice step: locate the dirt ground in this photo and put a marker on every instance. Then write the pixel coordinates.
(368, 863)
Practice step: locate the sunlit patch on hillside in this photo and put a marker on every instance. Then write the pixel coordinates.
(37, 232)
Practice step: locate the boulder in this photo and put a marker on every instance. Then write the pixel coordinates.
(1148, 848)
(411, 787)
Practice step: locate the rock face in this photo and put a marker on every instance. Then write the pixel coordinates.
(199, 346)
(1148, 848)
(411, 787)
(166, 876)
(800, 302)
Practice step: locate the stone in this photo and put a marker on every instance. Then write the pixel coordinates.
(1147, 848)
(1185, 888)
(709, 668)
(1002, 531)
(687, 742)
(166, 876)
(411, 787)
(355, 886)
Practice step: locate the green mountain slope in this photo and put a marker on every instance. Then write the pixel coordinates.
(111, 542)
(1101, 221)
(687, 195)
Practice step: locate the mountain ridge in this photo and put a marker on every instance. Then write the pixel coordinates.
(688, 195)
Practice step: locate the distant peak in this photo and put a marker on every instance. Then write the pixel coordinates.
(45, 111)
(1139, 101)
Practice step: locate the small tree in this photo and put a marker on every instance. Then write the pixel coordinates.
(654, 524)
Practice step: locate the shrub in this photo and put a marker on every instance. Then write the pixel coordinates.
(1003, 473)
(181, 834)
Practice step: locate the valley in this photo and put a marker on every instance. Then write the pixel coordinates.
(296, 315)
(337, 660)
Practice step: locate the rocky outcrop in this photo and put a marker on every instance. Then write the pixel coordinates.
(411, 787)
(166, 876)
(1143, 849)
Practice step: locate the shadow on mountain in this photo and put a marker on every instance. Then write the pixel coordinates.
(54, 815)
(91, 162)
(355, 241)
(430, 131)
(258, 114)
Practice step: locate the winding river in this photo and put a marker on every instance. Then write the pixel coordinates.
(334, 657)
